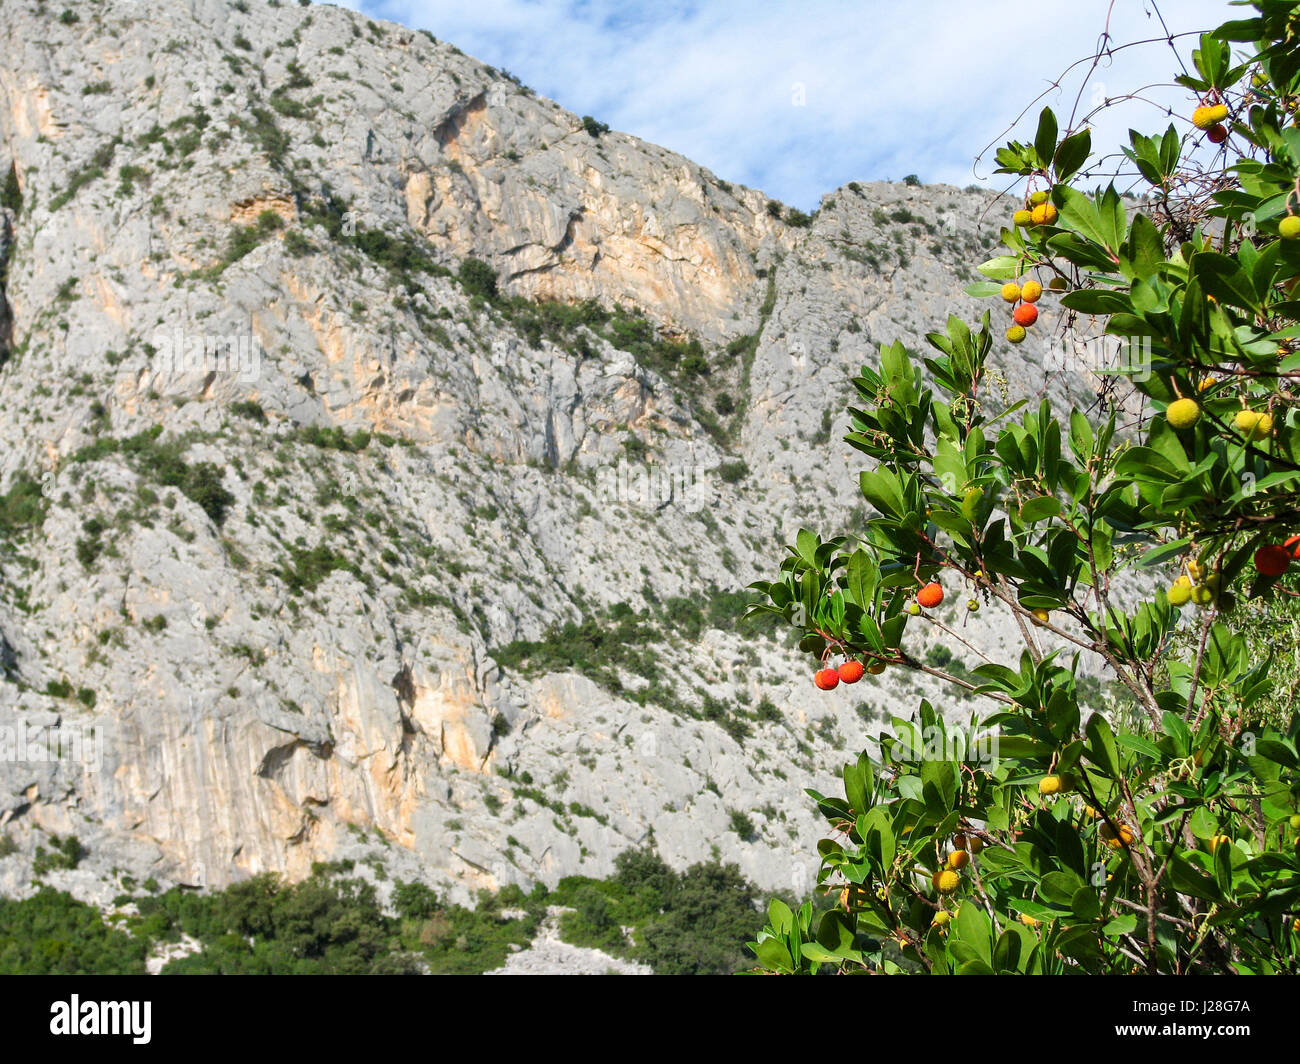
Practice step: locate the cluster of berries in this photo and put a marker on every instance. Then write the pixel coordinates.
(850, 672)
(1038, 210)
(1209, 117)
(1023, 313)
(1254, 425)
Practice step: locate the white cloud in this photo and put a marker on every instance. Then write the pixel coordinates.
(888, 88)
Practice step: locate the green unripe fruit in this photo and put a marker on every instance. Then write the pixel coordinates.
(1289, 227)
(1021, 218)
(914, 609)
(1038, 197)
(1202, 595)
(1016, 334)
(1183, 413)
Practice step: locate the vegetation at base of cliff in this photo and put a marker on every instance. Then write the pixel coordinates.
(333, 923)
(683, 923)
(51, 933)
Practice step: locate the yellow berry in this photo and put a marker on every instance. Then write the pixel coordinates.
(1289, 227)
(958, 859)
(1179, 595)
(1011, 292)
(941, 919)
(1016, 334)
(1050, 785)
(1043, 214)
(1209, 115)
(1216, 841)
(1031, 291)
(1183, 413)
(1021, 218)
(1254, 425)
(946, 881)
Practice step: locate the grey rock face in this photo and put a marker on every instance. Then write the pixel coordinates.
(236, 233)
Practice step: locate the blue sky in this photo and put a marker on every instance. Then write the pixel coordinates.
(799, 98)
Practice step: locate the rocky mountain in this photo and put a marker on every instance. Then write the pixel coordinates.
(386, 450)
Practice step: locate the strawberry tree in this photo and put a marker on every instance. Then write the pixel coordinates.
(1160, 836)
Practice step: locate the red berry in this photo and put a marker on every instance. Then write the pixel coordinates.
(1217, 134)
(1292, 544)
(827, 679)
(851, 671)
(930, 596)
(1272, 560)
(1025, 314)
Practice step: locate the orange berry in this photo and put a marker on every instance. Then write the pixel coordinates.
(827, 679)
(851, 671)
(930, 595)
(1272, 560)
(1025, 314)
(1043, 214)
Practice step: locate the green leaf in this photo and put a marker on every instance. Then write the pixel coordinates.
(1101, 745)
(1045, 138)
(1071, 154)
(1040, 509)
(774, 956)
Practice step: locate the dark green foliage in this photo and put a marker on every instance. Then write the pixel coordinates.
(11, 194)
(307, 568)
(478, 278)
(610, 647)
(250, 409)
(161, 462)
(334, 438)
(689, 923)
(331, 923)
(798, 218)
(273, 141)
(911, 180)
(67, 853)
(742, 825)
(402, 256)
(52, 933)
(92, 171)
(733, 472)
(22, 507)
(593, 128)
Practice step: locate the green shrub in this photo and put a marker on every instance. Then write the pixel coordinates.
(478, 278)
